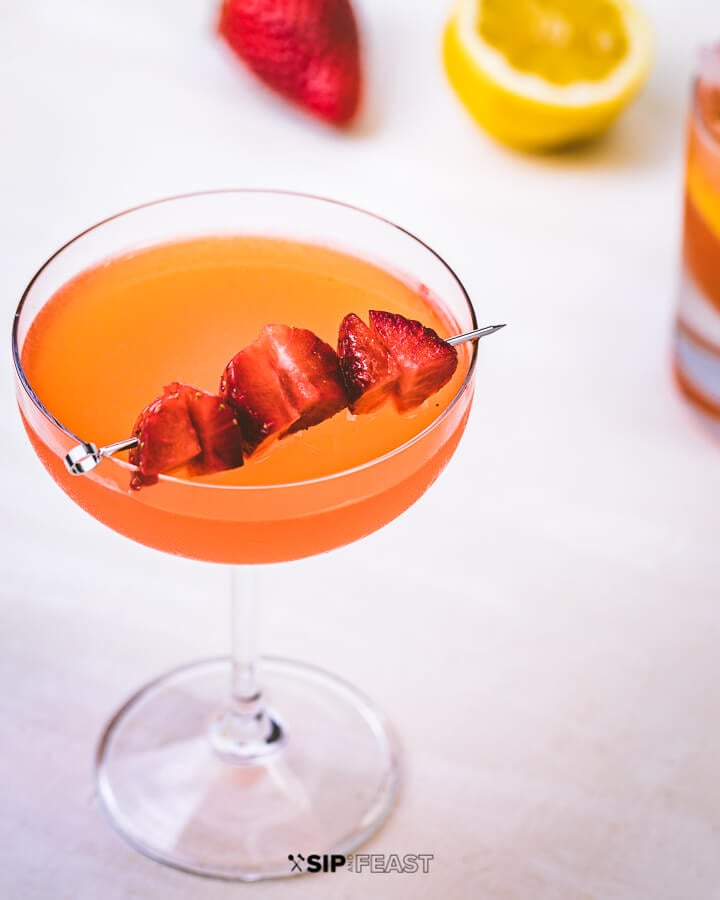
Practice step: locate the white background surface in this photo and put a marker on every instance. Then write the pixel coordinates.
(543, 627)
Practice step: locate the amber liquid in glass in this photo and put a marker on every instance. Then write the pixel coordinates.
(697, 344)
(179, 312)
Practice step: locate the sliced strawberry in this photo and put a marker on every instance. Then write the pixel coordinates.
(218, 431)
(185, 426)
(394, 357)
(286, 380)
(307, 50)
(426, 361)
(310, 374)
(370, 372)
(251, 384)
(166, 437)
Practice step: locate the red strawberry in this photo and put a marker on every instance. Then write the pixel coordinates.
(251, 383)
(371, 373)
(184, 426)
(395, 357)
(311, 376)
(426, 361)
(166, 437)
(217, 429)
(287, 380)
(307, 50)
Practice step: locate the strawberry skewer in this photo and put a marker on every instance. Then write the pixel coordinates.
(83, 458)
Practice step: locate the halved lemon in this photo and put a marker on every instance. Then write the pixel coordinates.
(542, 74)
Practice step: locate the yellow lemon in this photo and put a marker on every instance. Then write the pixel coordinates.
(542, 74)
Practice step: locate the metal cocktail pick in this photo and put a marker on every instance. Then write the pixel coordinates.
(473, 335)
(84, 457)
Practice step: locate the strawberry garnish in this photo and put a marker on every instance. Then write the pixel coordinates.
(426, 361)
(218, 431)
(166, 437)
(285, 381)
(394, 357)
(307, 50)
(185, 426)
(370, 372)
(251, 383)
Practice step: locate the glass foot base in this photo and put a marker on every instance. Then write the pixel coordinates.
(325, 789)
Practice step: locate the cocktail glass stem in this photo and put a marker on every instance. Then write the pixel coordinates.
(244, 599)
(245, 731)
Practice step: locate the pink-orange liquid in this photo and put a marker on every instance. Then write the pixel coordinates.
(179, 312)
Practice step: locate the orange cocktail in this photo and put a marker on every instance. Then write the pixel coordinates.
(180, 311)
(229, 767)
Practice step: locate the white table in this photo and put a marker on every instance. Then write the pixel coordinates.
(550, 656)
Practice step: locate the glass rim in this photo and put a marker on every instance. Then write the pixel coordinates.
(298, 195)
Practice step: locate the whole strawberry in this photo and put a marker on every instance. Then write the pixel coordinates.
(307, 50)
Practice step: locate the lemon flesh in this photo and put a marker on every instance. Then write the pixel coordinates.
(562, 41)
(540, 74)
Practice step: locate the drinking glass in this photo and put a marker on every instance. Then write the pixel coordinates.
(225, 767)
(697, 334)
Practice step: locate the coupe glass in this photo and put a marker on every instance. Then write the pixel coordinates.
(226, 767)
